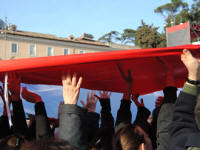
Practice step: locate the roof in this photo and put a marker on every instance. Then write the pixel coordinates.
(53, 37)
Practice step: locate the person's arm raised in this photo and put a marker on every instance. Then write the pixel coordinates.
(124, 115)
(90, 105)
(42, 122)
(107, 119)
(92, 116)
(19, 120)
(183, 126)
(72, 123)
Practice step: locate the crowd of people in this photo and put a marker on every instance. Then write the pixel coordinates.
(174, 123)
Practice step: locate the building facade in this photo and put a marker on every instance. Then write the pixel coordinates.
(15, 44)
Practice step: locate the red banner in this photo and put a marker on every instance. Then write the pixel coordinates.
(100, 71)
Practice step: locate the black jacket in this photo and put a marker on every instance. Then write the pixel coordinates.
(5, 129)
(42, 123)
(107, 120)
(104, 135)
(92, 124)
(19, 120)
(124, 115)
(141, 119)
(40, 128)
(74, 125)
(165, 118)
(154, 127)
(183, 130)
(197, 111)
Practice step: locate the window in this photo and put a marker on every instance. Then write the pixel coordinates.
(14, 48)
(81, 51)
(32, 50)
(49, 51)
(66, 51)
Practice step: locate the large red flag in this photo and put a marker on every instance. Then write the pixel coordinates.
(100, 71)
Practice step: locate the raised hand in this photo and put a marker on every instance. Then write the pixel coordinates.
(91, 102)
(137, 103)
(30, 96)
(129, 86)
(129, 83)
(192, 64)
(159, 101)
(71, 88)
(104, 95)
(14, 86)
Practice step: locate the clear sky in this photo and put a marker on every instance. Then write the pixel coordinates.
(75, 17)
(66, 17)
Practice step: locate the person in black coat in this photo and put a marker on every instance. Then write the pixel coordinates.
(42, 127)
(91, 116)
(103, 137)
(19, 120)
(165, 117)
(130, 136)
(183, 130)
(19, 127)
(73, 123)
(158, 104)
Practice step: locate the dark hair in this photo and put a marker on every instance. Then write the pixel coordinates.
(11, 142)
(47, 144)
(102, 140)
(127, 138)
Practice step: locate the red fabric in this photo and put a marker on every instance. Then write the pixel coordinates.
(177, 27)
(100, 71)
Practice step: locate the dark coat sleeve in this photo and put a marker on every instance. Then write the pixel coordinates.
(154, 127)
(42, 122)
(73, 127)
(165, 117)
(197, 112)
(183, 129)
(4, 127)
(103, 137)
(19, 120)
(92, 124)
(141, 119)
(124, 115)
(32, 131)
(107, 120)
